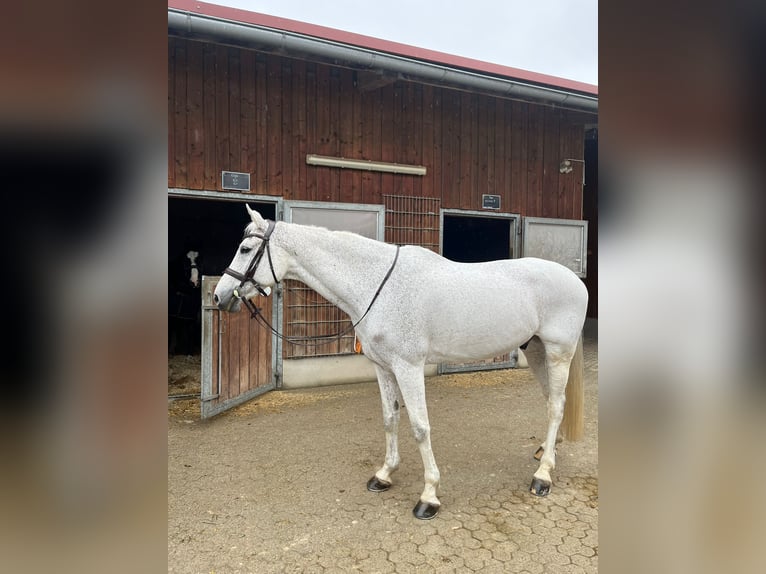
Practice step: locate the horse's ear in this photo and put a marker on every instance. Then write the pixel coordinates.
(254, 215)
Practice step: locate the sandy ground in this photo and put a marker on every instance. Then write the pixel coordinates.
(278, 484)
(183, 375)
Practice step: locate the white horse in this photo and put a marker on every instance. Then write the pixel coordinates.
(410, 307)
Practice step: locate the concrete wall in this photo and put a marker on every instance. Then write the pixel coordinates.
(336, 370)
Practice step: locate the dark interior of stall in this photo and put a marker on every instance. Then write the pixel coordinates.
(212, 229)
(471, 239)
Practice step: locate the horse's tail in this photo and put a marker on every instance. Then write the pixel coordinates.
(572, 426)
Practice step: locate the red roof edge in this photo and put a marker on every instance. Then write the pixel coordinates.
(255, 18)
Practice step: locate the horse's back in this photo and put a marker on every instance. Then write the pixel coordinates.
(485, 309)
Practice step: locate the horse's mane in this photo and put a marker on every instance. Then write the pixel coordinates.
(251, 228)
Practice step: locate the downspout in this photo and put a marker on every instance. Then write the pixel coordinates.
(289, 42)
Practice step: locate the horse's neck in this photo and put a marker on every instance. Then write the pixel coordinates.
(345, 269)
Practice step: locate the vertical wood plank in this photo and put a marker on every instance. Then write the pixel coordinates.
(247, 113)
(399, 135)
(357, 146)
(417, 121)
(519, 156)
(387, 151)
(195, 104)
(324, 132)
(370, 143)
(215, 352)
(209, 121)
(244, 352)
(255, 359)
(225, 320)
(261, 125)
(500, 128)
(221, 112)
(274, 125)
(467, 135)
(406, 137)
(550, 161)
(263, 348)
(179, 92)
(376, 148)
(431, 143)
(334, 140)
(534, 162)
(171, 111)
(299, 129)
(451, 150)
(345, 120)
(235, 144)
(484, 153)
(286, 133)
(475, 160)
(312, 137)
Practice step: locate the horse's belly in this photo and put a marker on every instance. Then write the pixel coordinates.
(441, 355)
(473, 343)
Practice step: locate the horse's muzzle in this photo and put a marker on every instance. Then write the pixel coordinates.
(230, 304)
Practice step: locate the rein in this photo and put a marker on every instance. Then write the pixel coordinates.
(255, 312)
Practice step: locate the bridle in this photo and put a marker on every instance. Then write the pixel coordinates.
(249, 275)
(255, 313)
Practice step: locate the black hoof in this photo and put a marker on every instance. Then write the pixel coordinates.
(425, 511)
(540, 487)
(377, 485)
(539, 454)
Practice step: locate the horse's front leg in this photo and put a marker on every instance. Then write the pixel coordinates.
(390, 399)
(412, 387)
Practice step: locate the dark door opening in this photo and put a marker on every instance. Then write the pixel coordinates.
(212, 229)
(471, 239)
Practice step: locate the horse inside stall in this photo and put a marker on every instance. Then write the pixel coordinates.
(184, 303)
(410, 306)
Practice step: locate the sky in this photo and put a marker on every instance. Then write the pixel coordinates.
(554, 37)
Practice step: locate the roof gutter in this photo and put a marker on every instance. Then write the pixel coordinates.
(188, 23)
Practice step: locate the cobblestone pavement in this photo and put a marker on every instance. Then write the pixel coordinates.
(278, 485)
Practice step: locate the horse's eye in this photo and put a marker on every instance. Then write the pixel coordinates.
(244, 249)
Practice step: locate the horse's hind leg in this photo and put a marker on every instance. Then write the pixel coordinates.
(412, 387)
(390, 400)
(557, 360)
(535, 355)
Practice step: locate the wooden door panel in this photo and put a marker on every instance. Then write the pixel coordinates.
(237, 358)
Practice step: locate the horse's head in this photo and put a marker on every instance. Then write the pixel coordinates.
(254, 268)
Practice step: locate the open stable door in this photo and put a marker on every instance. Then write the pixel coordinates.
(237, 354)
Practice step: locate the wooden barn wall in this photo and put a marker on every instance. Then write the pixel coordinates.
(240, 110)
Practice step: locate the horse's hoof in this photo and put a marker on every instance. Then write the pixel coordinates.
(539, 454)
(377, 485)
(540, 487)
(425, 511)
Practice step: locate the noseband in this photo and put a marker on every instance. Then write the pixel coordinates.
(248, 275)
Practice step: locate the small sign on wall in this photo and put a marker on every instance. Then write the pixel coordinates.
(490, 201)
(235, 180)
